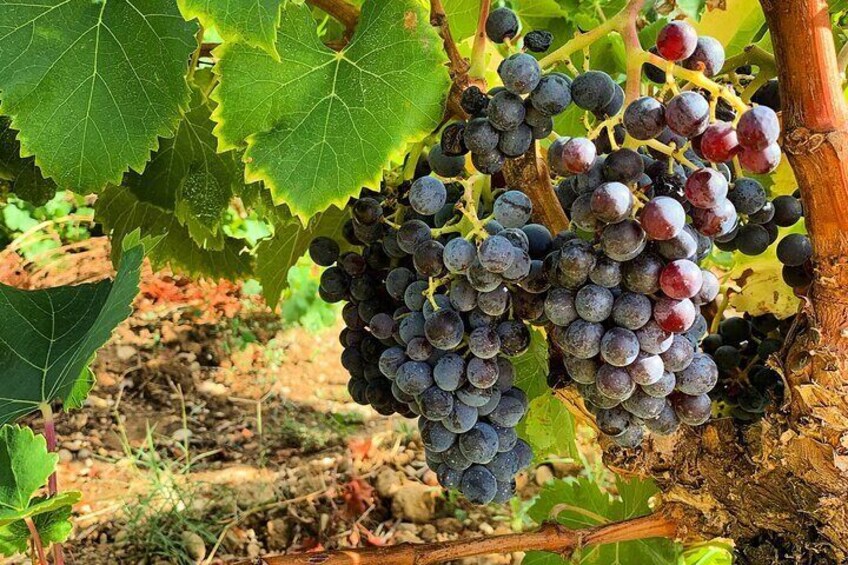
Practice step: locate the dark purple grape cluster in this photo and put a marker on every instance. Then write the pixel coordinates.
(504, 122)
(741, 348)
(433, 313)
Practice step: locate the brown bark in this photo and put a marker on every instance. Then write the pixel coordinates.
(529, 173)
(550, 537)
(785, 478)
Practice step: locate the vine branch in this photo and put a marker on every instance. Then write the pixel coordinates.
(550, 537)
(439, 20)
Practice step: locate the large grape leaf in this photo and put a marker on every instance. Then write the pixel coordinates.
(252, 21)
(462, 17)
(25, 465)
(48, 336)
(188, 175)
(90, 85)
(122, 211)
(581, 503)
(319, 124)
(275, 256)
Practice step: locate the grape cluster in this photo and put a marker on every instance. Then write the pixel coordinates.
(432, 316)
(741, 348)
(505, 121)
(625, 297)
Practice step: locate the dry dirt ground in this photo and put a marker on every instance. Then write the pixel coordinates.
(215, 432)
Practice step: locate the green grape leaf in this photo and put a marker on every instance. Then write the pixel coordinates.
(53, 526)
(735, 27)
(122, 211)
(570, 122)
(91, 85)
(275, 256)
(27, 181)
(49, 335)
(189, 176)
(581, 503)
(319, 124)
(779, 182)
(252, 21)
(25, 465)
(692, 8)
(531, 367)
(549, 428)
(535, 14)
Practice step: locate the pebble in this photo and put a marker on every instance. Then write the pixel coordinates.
(65, 456)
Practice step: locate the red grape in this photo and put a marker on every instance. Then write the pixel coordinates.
(674, 315)
(717, 221)
(706, 188)
(578, 154)
(663, 218)
(758, 128)
(677, 41)
(719, 142)
(681, 279)
(760, 162)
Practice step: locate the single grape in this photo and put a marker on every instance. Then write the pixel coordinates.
(606, 272)
(677, 40)
(614, 106)
(583, 339)
(581, 214)
(427, 258)
(481, 373)
(474, 101)
(631, 437)
(452, 140)
(578, 155)
(642, 274)
(699, 377)
(496, 254)
(414, 377)
(787, 210)
(619, 347)
(488, 162)
(642, 405)
(760, 162)
(663, 387)
(494, 302)
(559, 307)
(706, 188)
(647, 369)
(411, 234)
(679, 355)
(501, 24)
(613, 421)
(458, 255)
(623, 165)
(445, 165)
(435, 436)
(478, 485)
(436, 403)
(794, 250)
(480, 136)
(484, 342)
(538, 41)
(324, 251)
(611, 202)
(666, 423)
(461, 419)
(427, 195)
(513, 209)
(582, 371)
(764, 216)
(687, 114)
(716, 221)
(515, 143)
(552, 95)
(653, 339)
(748, 196)
(593, 303)
(614, 383)
(592, 90)
(623, 241)
(709, 289)
(752, 239)
(509, 411)
(644, 118)
(719, 142)
(449, 372)
(444, 329)
(520, 73)
(505, 111)
(797, 277)
(663, 218)
(632, 310)
(708, 56)
(758, 128)
(681, 279)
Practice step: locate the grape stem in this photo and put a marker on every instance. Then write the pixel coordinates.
(53, 480)
(477, 70)
(631, 45)
(37, 545)
(549, 537)
(439, 20)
